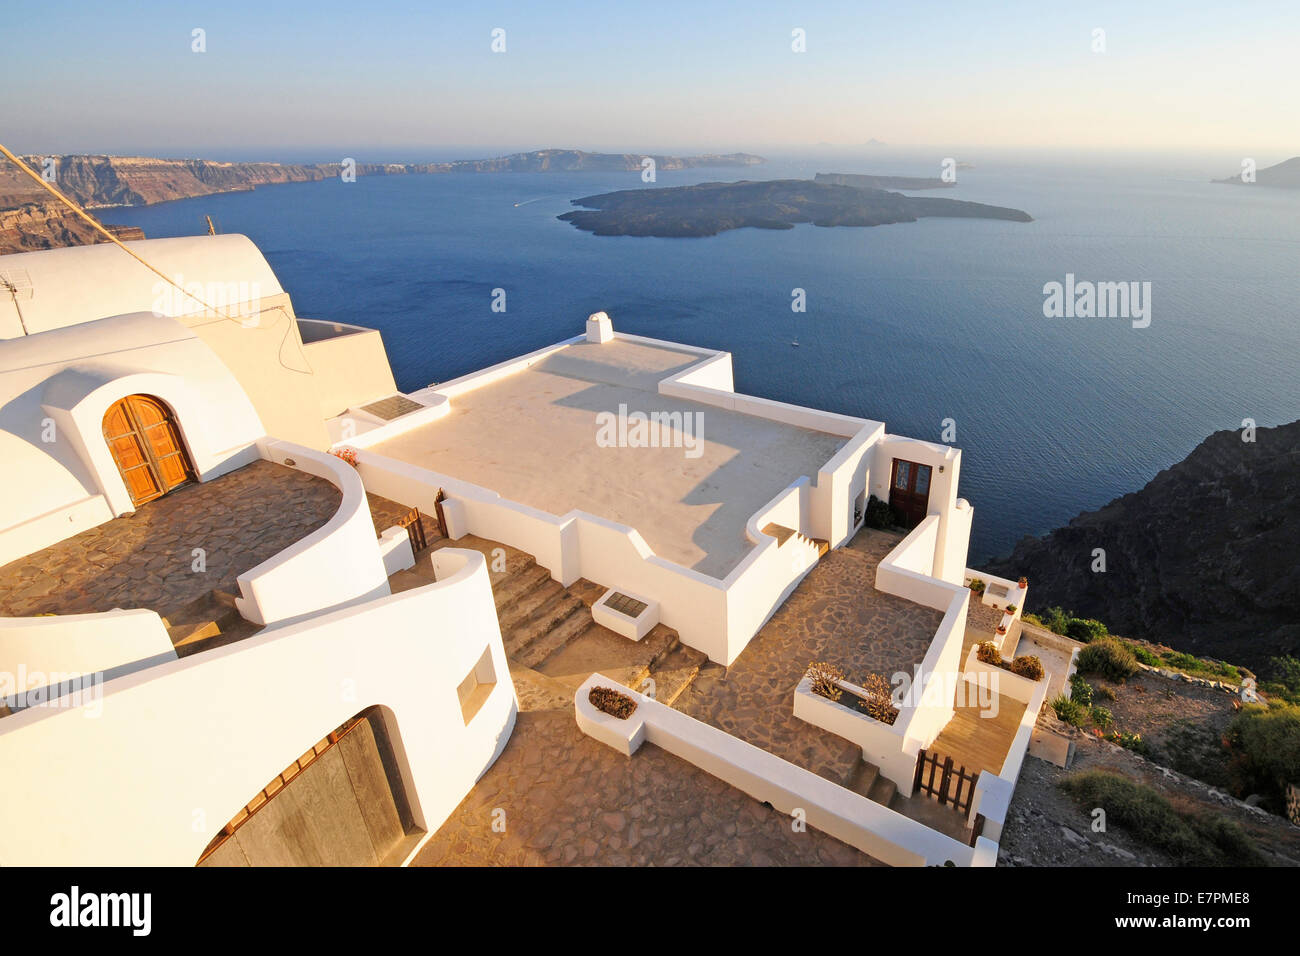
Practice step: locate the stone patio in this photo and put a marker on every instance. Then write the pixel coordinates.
(835, 615)
(145, 559)
(567, 799)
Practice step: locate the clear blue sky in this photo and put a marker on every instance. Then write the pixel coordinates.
(400, 78)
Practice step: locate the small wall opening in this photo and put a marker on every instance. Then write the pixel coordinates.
(477, 686)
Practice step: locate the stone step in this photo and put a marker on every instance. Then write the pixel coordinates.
(508, 586)
(522, 634)
(575, 620)
(861, 778)
(866, 780)
(206, 616)
(675, 672)
(528, 603)
(883, 790)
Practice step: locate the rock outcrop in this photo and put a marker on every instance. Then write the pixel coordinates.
(1284, 175)
(707, 209)
(1205, 558)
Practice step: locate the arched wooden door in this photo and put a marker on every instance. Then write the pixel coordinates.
(146, 444)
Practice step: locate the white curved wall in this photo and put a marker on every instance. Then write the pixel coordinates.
(337, 563)
(179, 748)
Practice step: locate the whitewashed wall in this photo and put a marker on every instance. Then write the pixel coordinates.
(337, 563)
(179, 748)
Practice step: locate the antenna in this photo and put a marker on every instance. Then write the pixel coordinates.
(18, 285)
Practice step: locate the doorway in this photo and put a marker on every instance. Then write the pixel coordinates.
(142, 434)
(909, 492)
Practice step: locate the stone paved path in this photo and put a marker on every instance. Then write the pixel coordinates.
(145, 559)
(835, 615)
(570, 800)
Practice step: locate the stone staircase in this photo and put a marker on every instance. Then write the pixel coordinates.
(553, 644)
(784, 534)
(866, 779)
(210, 620)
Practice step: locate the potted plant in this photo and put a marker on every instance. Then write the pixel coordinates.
(1002, 629)
(1024, 583)
(1011, 609)
(976, 585)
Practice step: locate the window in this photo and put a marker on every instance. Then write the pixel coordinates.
(477, 686)
(903, 477)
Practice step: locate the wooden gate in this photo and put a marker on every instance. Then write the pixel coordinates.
(947, 782)
(142, 434)
(414, 525)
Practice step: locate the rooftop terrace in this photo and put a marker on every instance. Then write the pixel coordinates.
(532, 437)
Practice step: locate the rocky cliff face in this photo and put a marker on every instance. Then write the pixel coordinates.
(39, 222)
(1205, 558)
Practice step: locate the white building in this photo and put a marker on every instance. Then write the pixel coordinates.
(629, 462)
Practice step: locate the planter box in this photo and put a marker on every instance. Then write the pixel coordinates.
(882, 744)
(999, 679)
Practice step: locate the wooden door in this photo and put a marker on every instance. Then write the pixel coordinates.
(909, 491)
(146, 444)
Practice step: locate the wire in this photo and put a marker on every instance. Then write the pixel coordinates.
(45, 184)
(99, 227)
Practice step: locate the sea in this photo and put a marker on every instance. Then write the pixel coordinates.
(937, 328)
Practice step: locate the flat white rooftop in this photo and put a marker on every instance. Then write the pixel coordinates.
(533, 438)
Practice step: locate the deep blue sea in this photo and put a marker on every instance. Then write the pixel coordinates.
(910, 324)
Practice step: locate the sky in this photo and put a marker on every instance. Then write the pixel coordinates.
(402, 80)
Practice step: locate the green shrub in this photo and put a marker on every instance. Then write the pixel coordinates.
(1192, 839)
(1104, 692)
(976, 585)
(1285, 671)
(1080, 690)
(1028, 666)
(1085, 630)
(1109, 658)
(879, 514)
(1184, 662)
(1103, 718)
(1264, 747)
(1070, 711)
(1129, 741)
(1144, 655)
(1054, 619)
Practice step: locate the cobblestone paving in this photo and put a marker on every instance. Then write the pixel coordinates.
(835, 615)
(145, 559)
(570, 800)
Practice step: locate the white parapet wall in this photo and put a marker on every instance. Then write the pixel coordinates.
(861, 823)
(41, 655)
(178, 748)
(715, 616)
(335, 564)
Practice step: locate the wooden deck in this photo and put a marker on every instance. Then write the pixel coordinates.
(977, 740)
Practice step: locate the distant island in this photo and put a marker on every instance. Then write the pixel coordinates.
(882, 182)
(31, 219)
(710, 208)
(1284, 175)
